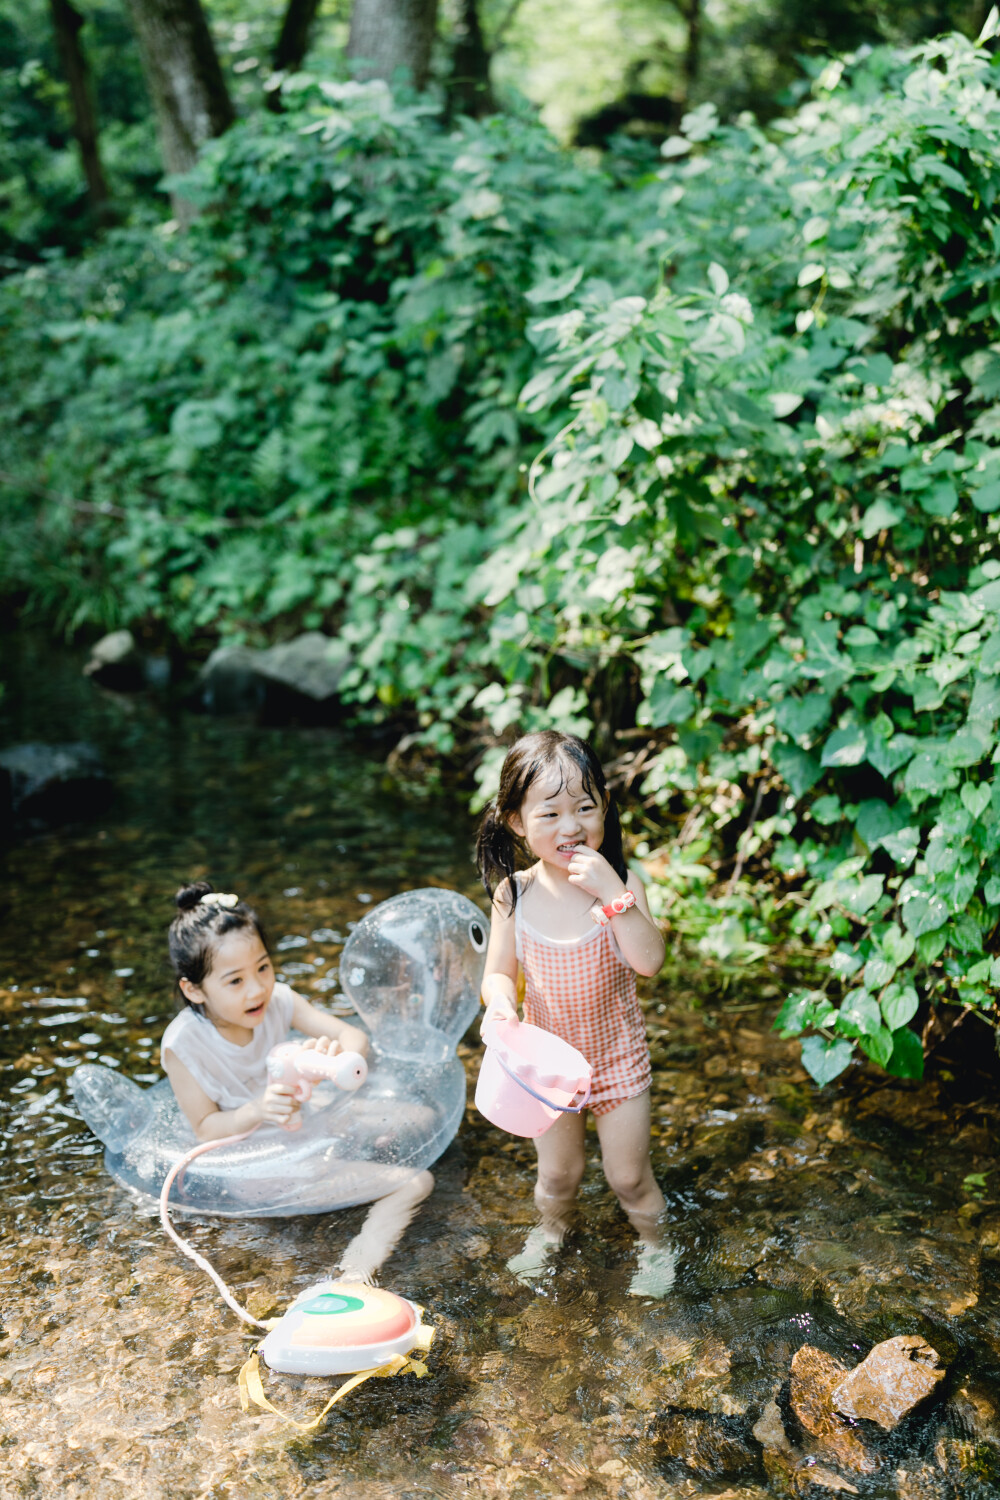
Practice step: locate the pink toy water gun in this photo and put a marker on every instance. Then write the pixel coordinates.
(301, 1067)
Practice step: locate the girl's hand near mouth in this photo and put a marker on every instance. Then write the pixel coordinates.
(590, 871)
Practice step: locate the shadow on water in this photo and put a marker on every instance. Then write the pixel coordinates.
(833, 1221)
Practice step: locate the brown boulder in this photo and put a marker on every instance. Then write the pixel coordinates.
(890, 1382)
(815, 1375)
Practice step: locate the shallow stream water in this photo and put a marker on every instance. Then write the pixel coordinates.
(835, 1220)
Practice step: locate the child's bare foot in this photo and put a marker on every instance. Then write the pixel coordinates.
(538, 1248)
(654, 1275)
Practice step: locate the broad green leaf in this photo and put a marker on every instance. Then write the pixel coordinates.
(670, 704)
(811, 272)
(924, 914)
(932, 944)
(969, 746)
(907, 1060)
(878, 1046)
(799, 770)
(878, 971)
(987, 497)
(824, 1061)
(897, 945)
(875, 819)
(988, 597)
(881, 516)
(718, 279)
(859, 1014)
(846, 961)
(940, 500)
(797, 1011)
(827, 810)
(927, 773)
(555, 288)
(899, 1005)
(797, 716)
(862, 896)
(902, 847)
(985, 703)
(888, 755)
(975, 798)
(845, 747)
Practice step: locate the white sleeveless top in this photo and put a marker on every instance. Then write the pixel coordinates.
(230, 1075)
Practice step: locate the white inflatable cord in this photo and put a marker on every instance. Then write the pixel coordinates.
(182, 1244)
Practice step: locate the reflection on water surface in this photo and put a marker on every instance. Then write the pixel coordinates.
(797, 1220)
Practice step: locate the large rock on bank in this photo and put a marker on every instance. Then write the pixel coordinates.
(299, 674)
(47, 784)
(116, 662)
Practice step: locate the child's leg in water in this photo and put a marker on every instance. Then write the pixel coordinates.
(624, 1137)
(560, 1169)
(383, 1228)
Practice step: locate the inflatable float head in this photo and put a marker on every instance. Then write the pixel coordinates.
(413, 968)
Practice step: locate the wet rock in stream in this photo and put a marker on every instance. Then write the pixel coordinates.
(706, 1445)
(815, 1376)
(44, 785)
(893, 1379)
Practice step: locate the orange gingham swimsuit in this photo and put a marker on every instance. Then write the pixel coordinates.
(583, 990)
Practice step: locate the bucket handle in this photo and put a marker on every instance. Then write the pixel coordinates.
(567, 1109)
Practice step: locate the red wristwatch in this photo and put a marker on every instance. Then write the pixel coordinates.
(602, 914)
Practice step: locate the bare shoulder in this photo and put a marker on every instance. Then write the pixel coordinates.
(502, 909)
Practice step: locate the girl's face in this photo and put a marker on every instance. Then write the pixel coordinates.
(557, 815)
(237, 990)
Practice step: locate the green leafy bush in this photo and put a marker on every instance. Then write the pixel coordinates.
(710, 455)
(802, 476)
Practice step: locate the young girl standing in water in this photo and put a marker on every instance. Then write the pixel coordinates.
(580, 933)
(215, 1052)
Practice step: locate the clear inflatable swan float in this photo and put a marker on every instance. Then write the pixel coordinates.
(412, 968)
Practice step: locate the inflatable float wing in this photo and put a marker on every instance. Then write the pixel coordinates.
(413, 969)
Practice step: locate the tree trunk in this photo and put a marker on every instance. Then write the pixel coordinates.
(469, 88)
(293, 42)
(692, 50)
(66, 23)
(387, 35)
(184, 77)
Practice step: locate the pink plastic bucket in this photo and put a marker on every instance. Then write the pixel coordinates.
(529, 1078)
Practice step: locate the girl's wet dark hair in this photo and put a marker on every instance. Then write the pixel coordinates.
(198, 926)
(498, 847)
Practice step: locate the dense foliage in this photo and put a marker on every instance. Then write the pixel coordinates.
(707, 455)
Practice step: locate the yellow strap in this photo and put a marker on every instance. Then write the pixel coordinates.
(424, 1337)
(251, 1388)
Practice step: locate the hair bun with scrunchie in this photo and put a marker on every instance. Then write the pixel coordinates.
(189, 896)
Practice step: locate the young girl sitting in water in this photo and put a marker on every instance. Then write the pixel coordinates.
(579, 956)
(215, 1052)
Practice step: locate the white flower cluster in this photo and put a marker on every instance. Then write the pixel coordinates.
(738, 307)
